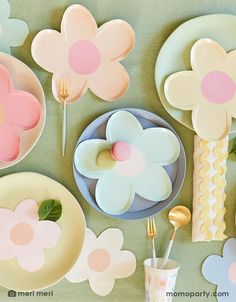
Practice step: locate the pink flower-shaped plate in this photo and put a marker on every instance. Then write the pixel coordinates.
(85, 55)
(23, 79)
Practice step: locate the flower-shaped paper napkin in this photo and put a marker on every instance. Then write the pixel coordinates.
(222, 272)
(25, 237)
(102, 261)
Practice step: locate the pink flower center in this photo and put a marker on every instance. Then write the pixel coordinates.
(232, 273)
(84, 57)
(99, 260)
(133, 166)
(21, 233)
(121, 151)
(2, 115)
(218, 87)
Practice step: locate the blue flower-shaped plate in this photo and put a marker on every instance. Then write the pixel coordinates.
(141, 207)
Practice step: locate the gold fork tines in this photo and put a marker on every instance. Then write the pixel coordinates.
(64, 89)
(64, 94)
(152, 234)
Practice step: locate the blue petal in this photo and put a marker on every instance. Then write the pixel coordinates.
(229, 252)
(4, 9)
(14, 32)
(123, 126)
(114, 194)
(213, 269)
(226, 293)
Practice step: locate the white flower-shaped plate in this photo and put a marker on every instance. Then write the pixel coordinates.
(23, 78)
(141, 207)
(58, 260)
(174, 55)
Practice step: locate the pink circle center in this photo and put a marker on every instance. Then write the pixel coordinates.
(99, 260)
(84, 57)
(121, 151)
(218, 87)
(2, 115)
(21, 233)
(232, 272)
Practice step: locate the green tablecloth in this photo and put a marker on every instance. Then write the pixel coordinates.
(153, 21)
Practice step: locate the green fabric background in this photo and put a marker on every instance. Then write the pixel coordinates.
(153, 21)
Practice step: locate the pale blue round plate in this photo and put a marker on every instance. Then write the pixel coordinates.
(141, 207)
(174, 55)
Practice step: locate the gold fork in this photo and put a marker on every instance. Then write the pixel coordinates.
(64, 94)
(152, 234)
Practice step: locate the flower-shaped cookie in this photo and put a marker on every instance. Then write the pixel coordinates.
(102, 261)
(13, 32)
(19, 110)
(129, 161)
(222, 271)
(209, 90)
(23, 236)
(86, 56)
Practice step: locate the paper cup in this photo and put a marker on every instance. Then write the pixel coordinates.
(160, 283)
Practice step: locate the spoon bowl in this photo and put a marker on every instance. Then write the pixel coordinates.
(179, 216)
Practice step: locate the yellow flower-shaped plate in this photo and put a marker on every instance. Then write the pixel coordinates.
(174, 55)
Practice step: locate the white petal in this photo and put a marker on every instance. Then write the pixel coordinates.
(80, 271)
(102, 285)
(124, 264)
(111, 239)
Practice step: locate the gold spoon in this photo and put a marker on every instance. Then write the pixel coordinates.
(179, 217)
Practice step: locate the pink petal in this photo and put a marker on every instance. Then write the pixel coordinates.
(7, 220)
(30, 258)
(49, 50)
(110, 82)
(22, 109)
(115, 39)
(28, 208)
(47, 234)
(77, 85)
(78, 24)
(7, 250)
(9, 143)
(5, 81)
